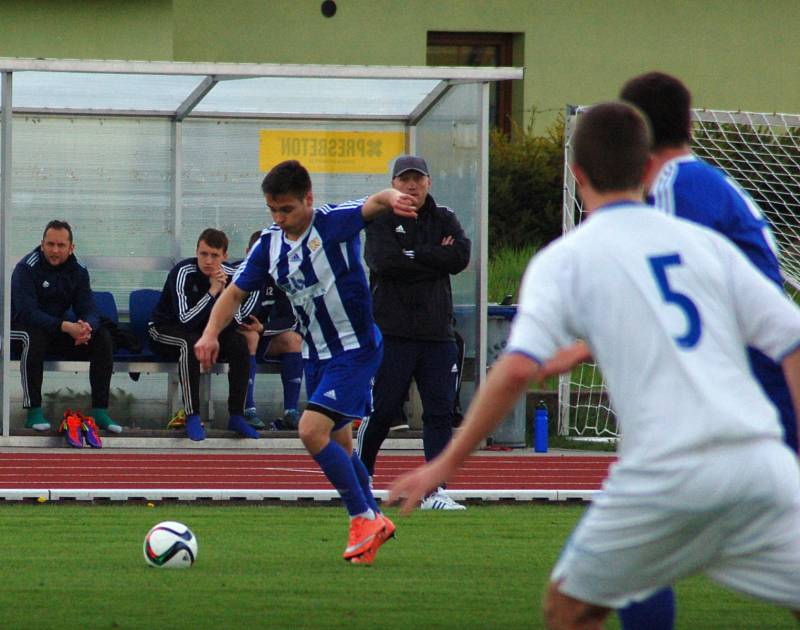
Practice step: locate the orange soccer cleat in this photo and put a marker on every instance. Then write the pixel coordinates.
(368, 556)
(71, 428)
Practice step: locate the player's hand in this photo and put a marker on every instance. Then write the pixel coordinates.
(448, 240)
(218, 281)
(409, 489)
(252, 323)
(403, 205)
(207, 350)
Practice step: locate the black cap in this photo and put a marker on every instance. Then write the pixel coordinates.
(409, 163)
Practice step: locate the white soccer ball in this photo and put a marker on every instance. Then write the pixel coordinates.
(170, 545)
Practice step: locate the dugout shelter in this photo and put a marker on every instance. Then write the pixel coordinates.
(141, 156)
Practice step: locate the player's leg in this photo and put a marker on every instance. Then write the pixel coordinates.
(252, 338)
(174, 343)
(233, 349)
(30, 344)
(338, 391)
(388, 394)
(287, 347)
(436, 374)
(562, 612)
(657, 612)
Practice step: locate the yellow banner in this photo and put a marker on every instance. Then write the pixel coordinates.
(331, 151)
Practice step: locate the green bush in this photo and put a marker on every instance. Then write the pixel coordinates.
(526, 173)
(506, 267)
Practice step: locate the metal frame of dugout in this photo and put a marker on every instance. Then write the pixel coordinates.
(140, 156)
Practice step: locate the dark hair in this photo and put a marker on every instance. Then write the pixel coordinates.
(666, 101)
(253, 238)
(612, 145)
(287, 178)
(56, 224)
(214, 238)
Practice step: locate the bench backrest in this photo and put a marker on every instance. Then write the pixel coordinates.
(106, 305)
(141, 303)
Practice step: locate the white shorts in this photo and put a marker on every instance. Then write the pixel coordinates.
(627, 546)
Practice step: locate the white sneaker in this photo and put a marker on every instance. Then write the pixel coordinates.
(440, 500)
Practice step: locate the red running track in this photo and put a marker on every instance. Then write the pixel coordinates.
(170, 471)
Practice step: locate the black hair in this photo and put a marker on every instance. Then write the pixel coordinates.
(287, 178)
(57, 224)
(667, 102)
(611, 145)
(214, 238)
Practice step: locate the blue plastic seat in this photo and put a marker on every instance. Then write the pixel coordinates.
(106, 305)
(141, 303)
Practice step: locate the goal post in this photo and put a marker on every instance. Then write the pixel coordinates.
(761, 152)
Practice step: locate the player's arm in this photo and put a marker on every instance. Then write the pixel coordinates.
(507, 381)
(385, 200)
(566, 358)
(451, 254)
(207, 347)
(791, 371)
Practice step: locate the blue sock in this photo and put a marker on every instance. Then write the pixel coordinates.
(250, 401)
(291, 377)
(338, 469)
(363, 479)
(657, 612)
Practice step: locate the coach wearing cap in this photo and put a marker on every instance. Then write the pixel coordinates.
(410, 262)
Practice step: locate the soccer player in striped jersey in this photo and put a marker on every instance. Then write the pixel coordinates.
(704, 480)
(314, 256)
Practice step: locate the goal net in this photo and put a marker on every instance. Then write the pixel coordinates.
(762, 153)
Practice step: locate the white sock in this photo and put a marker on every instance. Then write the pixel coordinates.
(369, 515)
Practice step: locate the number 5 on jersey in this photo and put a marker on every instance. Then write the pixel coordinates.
(658, 265)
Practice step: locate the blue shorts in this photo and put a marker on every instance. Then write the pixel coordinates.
(343, 384)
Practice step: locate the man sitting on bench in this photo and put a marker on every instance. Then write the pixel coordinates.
(178, 320)
(46, 285)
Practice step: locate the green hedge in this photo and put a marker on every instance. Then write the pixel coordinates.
(526, 173)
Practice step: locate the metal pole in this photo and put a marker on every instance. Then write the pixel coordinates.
(483, 237)
(5, 239)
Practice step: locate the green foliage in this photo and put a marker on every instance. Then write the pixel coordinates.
(506, 266)
(526, 173)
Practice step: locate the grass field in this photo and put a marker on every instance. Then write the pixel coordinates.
(81, 566)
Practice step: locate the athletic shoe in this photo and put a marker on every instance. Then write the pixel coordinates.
(440, 500)
(89, 429)
(290, 419)
(36, 420)
(401, 424)
(239, 424)
(178, 421)
(194, 428)
(104, 421)
(71, 428)
(251, 417)
(363, 533)
(383, 535)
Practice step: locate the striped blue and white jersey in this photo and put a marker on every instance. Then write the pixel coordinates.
(692, 189)
(322, 274)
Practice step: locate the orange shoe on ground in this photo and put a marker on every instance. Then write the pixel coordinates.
(90, 432)
(363, 532)
(71, 428)
(385, 534)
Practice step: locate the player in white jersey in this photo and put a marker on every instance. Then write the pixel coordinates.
(704, 481)
(314, 257)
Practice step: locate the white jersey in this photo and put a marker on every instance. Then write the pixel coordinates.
(667, 308)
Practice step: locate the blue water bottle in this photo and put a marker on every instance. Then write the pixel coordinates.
(540, 428)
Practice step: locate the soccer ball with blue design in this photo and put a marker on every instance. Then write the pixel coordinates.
(170, 545)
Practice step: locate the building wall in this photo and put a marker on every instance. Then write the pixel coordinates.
(733, 54)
